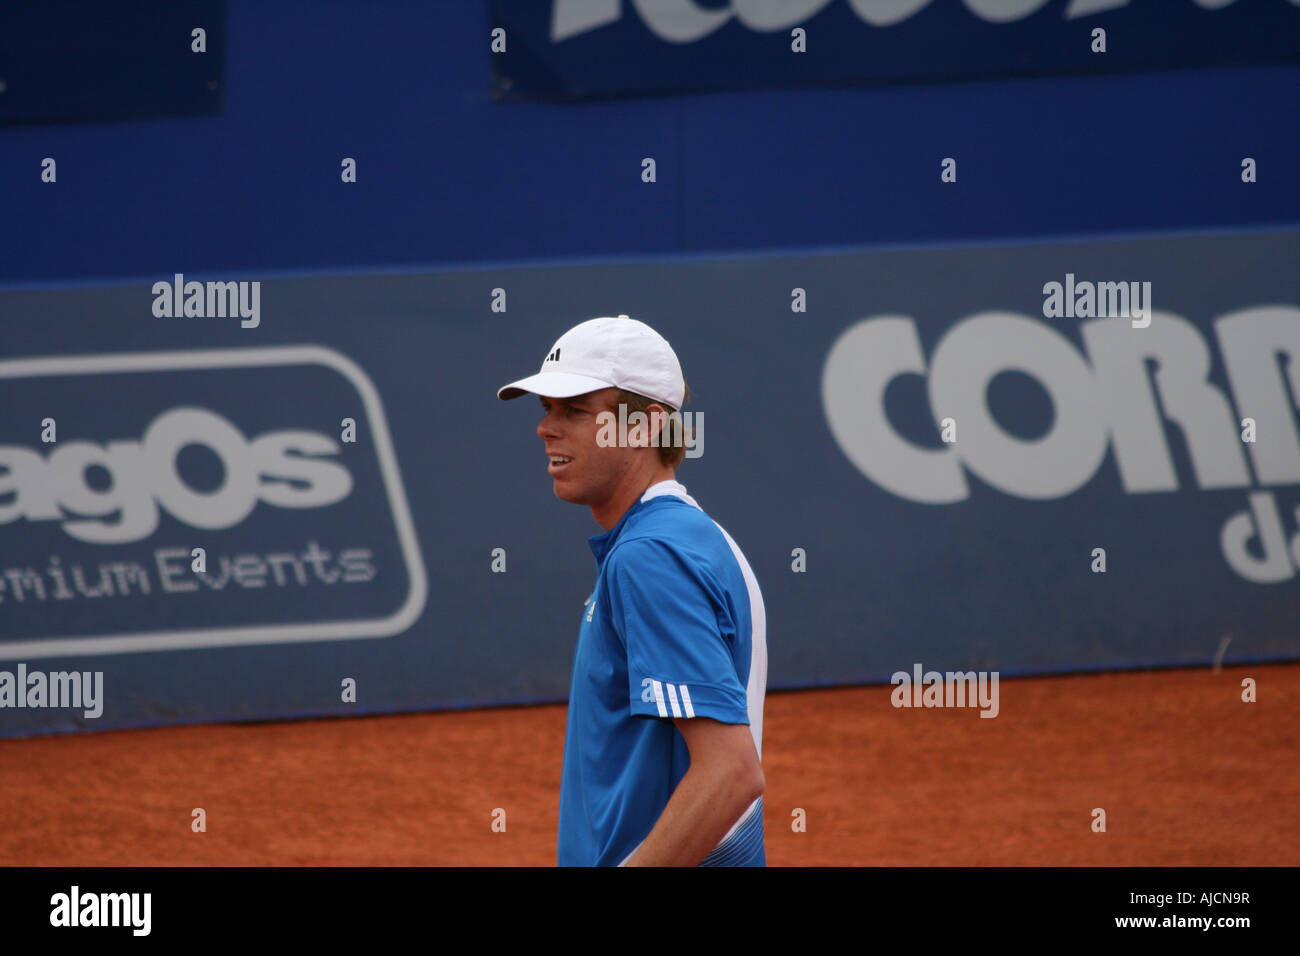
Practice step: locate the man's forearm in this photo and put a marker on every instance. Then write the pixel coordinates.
(698, 815)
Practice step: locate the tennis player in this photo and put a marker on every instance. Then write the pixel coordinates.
(665, 728)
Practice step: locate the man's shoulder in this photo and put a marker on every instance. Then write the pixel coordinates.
(670, 531)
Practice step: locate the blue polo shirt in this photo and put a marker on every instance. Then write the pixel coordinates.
(674, 628)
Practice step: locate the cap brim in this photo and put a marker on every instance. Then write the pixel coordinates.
(553, 385)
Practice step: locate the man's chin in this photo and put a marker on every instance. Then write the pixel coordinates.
(566, 494)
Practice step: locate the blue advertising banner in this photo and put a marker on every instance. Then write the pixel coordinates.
(593, 48)
(238, 498)
(68, 61)
(200, 460)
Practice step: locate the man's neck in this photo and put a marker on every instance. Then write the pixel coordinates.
(611, 512)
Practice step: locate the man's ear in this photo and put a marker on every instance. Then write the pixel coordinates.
(658, 423)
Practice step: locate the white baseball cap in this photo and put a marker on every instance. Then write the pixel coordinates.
(616, 352)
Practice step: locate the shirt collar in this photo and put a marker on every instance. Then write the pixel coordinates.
(601, 543)
(669, 486)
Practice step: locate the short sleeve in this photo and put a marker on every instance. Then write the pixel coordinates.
(671, 614)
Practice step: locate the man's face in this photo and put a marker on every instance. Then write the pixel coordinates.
(568, 429)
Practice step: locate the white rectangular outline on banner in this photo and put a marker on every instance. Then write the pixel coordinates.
(191, 638)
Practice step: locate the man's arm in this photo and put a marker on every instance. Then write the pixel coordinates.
(724, 778)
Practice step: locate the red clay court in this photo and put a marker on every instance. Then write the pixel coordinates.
(1188, 775)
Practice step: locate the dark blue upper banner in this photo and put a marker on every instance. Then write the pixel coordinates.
(581, 48)
(72, 61)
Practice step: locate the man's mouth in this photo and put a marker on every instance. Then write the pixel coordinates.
(557, 463)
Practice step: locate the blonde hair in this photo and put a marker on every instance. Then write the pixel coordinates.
(672, 446)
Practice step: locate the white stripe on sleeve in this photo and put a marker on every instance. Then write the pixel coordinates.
(659, 697)
(686, 700)
(672, 697)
